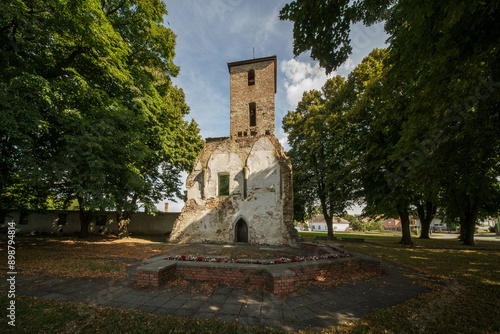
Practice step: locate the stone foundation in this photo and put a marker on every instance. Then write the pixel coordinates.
(277, 278)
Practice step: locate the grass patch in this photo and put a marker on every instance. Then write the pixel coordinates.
(35, 315)
(90, 257)
(467, 302)
(464, 282)
(92, 265)
(392, 240)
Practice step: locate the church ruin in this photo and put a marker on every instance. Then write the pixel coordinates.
(240, 189)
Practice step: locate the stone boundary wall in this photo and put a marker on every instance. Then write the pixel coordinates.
(48, 222)
(277, 278)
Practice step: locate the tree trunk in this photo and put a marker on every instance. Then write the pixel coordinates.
(469, 227)
(328, 218)
(123, 219)
(469, 223)
(329, 224)
(404, 215)
(463, 229)
(426, 215)
(85, 218)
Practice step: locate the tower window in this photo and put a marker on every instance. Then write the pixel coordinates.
(223, 184)
(253, 116)
(251, 77)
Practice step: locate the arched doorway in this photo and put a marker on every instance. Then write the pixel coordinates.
(241, 231)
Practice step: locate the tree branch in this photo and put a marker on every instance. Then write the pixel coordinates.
(58, 69)
(114, 10)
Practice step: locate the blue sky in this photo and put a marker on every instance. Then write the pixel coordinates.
(212, 33)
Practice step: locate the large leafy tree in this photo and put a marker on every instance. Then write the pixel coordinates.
(314, 130)
(375, 121)
(88, 107)
(444, 56)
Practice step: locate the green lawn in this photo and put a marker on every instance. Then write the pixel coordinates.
(465, 283)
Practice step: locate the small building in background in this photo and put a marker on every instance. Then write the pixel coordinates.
(318, 224)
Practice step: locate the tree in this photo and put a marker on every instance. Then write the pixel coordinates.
(375, 122)
(444, 56)
(90, 109)
(426, 212)
(315, 152)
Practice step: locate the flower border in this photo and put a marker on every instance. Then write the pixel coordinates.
(281, 260)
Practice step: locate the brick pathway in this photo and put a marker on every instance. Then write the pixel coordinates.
(314, 309)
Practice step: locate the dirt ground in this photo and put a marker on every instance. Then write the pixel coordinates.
(236, 251)
(92, 256)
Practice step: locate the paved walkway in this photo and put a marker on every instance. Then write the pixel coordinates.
(314, 309)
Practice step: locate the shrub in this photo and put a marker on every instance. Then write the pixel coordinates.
(357, 225)
(375, 225)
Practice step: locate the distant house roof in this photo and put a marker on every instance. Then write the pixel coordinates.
(321, 219)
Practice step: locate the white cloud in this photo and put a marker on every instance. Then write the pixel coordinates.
(347, 66)
(301, 77)
(283, 138)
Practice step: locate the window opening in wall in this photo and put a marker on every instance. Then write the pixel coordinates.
(251, 77)
(253, 133)
(245, 134)
(223, 185)
(62, 219)
(240, 134)
(101, 221)
(268, 132)
(253, 116)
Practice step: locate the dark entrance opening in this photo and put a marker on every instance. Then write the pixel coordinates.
(241, 231)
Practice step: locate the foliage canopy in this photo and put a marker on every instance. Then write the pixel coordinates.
(89, 110)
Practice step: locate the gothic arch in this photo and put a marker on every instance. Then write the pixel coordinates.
(241, 230)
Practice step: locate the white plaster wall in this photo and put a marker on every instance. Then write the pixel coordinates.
(322, 227)
(265, 208)
(263, 165)
(213, 218)
(225, 163)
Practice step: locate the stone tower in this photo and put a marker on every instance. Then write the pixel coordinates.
(240, 189)
(253, 85)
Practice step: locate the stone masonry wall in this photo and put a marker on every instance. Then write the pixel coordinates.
(261, 93)
(267, 207)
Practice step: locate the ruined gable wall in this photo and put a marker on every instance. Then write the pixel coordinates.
(266, 209)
